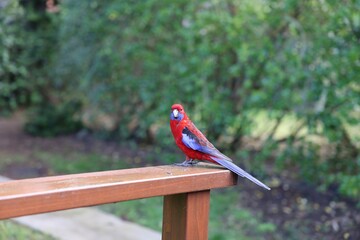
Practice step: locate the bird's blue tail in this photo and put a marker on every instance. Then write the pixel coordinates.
(232, 167)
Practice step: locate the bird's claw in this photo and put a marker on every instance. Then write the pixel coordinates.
(187, 163)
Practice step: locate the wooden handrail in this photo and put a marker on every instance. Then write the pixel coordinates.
(186, 191)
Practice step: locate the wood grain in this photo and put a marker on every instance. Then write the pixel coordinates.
(39, 195)
(186, 216)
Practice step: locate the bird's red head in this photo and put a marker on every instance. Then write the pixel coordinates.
(177, 112)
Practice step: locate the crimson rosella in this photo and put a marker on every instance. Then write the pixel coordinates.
(196, 147)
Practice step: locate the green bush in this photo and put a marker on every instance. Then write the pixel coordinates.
(49, 120)
(27, 44)
(13, 70)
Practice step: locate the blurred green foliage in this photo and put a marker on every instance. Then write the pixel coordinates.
(12, 69)
(48, 120)
(228, 62)
(27, 43)
(14, 231)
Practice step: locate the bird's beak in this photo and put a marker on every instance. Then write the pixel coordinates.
(175, 113)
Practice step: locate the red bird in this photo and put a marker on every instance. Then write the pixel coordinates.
(195, 145)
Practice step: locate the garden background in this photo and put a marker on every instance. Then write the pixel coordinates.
(274, 84)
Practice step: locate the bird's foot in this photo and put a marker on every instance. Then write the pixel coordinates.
(187, 163)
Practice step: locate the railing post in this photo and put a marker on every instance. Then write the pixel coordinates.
(186, 216)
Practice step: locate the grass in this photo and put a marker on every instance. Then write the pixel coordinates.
(79, 162)
(10, 230)
(229, 220)
(147, 212)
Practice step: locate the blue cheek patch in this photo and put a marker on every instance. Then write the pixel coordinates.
(179, 118)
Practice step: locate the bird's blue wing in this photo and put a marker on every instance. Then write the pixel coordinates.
(191, 140)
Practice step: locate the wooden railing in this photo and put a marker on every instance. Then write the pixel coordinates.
(186, 192)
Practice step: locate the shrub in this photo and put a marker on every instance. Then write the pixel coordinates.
(49, 120)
